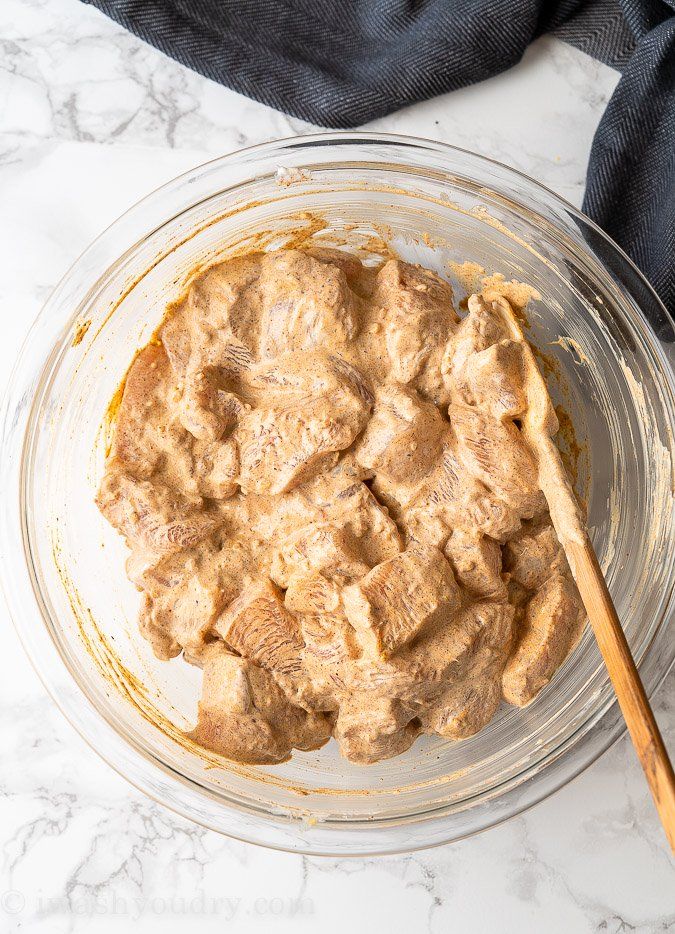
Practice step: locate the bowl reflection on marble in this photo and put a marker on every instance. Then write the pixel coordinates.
(595, 322)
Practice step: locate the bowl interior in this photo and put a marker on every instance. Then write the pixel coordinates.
(602, 367)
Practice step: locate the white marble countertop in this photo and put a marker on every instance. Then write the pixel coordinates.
(90, 120)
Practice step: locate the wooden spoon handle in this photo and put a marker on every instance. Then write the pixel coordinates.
(629, 689)
(538, 425)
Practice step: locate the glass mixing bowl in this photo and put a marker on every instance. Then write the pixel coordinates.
(596, 322)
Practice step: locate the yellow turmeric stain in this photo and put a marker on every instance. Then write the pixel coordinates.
(81, 329)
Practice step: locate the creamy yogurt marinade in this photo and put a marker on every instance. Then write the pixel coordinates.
(319, 471)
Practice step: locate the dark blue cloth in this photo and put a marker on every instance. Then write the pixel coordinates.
(340, 63)
(630, 185)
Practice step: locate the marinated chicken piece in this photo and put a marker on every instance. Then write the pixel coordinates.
(341, 498)
(226, 563)
(305, 304)
(517, 597)
(258, 627)
(337, 498)
(149, 441)
(177, 340)
(321, 547)
(463, 709)
(312, 593)
(404, 436)
(317, 413)
(495, 453)
(548, 632)
(163, 644)
(221, 313)
(181, 618)
(291, 379)
(533, 555)
(155, 573)
(207, 408)
(480, 329)
(475, 645)
(472, 692)
(451, 497)
(221, 296)
(244, 715)
(353, 378)
(350, 265)
(401, 597)
(206, 338)
(151, 517)
(216, 468)
(330, 648)
(139, 442)
(477, 563)
(184, 593)
(379, 729)
(318, 470)
(418, 318)
(493, 380)
(280, 450)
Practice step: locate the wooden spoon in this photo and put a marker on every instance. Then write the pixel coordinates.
(539, 424)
